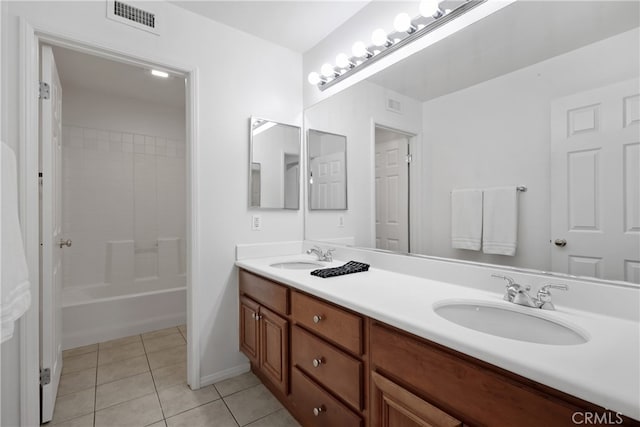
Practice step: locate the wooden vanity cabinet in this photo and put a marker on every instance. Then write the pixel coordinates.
(264, 333)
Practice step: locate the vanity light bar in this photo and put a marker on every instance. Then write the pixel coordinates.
(384, 46)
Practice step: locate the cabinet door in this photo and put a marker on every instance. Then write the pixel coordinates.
(249, 337)
(274, 348)
(393, 406)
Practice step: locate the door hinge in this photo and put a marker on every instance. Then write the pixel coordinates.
(409, 158)
(45, 376)
(44, 90)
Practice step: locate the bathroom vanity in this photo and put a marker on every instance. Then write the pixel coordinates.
(334, 362)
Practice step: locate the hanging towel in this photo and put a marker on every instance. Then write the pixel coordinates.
(15, 291)
(466, 219)
(500, 221)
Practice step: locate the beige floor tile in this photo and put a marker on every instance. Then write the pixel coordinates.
(79, 363)
(281, 418)
(183, 330)
(165, 341)
(170, 375)
(252, 404)
(83, 421)
(236, 384)
(74, 405)
(122, 352)
(169, 356)
(123, 390)
(79, 350)
(212, 414)
(119, 342)
(76, 381)
(139, 412)
(180, 398)
(124, 368)
(159, 424)
(159, 333)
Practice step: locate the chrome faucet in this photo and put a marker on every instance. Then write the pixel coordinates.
(322, 255)
(518, 294)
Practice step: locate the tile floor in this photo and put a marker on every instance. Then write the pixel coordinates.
(141, 381)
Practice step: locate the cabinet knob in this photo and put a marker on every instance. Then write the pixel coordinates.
(253, 315)
(317, 362)
(317, 318)
(318, 410)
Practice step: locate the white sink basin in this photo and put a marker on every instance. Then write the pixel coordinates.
(297, 265)
(508, 322)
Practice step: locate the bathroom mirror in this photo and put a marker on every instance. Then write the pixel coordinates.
(544, 95)
(327, 170)
(274, 165)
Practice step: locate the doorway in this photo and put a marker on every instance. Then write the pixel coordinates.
(392, 189)
(114, 214)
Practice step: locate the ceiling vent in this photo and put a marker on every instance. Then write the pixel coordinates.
(141, 15)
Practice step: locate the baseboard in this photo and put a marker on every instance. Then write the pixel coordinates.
(224, 374)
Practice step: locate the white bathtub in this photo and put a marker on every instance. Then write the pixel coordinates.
(103, 312)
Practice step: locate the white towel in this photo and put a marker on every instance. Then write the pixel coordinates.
(15, 291)
(500, 221)
(466, 219)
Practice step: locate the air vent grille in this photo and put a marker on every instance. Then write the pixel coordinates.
(134, 14)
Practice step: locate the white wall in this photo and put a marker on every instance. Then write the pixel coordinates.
(353, 113)
(123, 181)
(239, 75)
(498, 133)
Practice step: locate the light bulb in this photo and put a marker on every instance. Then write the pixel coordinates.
(314, 78)
(359, 50)
(402, 23)
(327, 70)
(379, 37)
(342, 61)
(428, 8)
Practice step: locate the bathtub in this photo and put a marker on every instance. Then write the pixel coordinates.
(103, 312)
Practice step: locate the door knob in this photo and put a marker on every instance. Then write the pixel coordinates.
(560, 243)
(66, 243)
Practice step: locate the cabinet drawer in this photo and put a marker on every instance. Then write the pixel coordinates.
(331, 322)
(307, 396)
(335, 369)
(469, 391)
(264, 291)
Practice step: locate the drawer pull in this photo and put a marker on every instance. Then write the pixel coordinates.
(318, 410)
(317, 362)
(317, 318)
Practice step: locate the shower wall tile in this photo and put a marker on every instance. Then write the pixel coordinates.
(112, 194)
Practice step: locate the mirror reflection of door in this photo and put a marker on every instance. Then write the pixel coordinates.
(327, 170)
(291, 179)
(255, 184)
(392, 190)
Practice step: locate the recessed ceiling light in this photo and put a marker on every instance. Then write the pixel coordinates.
(159, 73)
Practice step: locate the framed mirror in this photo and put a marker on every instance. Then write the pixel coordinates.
(274, 165)
(498, 104)
(327, 169)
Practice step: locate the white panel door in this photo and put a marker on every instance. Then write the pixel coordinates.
(595, 183)
(51, 212)
(392, 195)
(329, 181)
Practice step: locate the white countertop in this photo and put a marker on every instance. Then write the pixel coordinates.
(604, 371)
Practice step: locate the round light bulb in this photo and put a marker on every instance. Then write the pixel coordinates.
(359, 49)
(428, 8)
(402, 23)
(379, 37)
(342, 61)
(327, 70)
(314, 78)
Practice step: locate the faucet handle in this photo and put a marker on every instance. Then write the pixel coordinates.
(510, 281)
(544, 295)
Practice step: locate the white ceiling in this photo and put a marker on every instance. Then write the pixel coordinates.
(522, 34)
(102, 75)
(297, 25)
